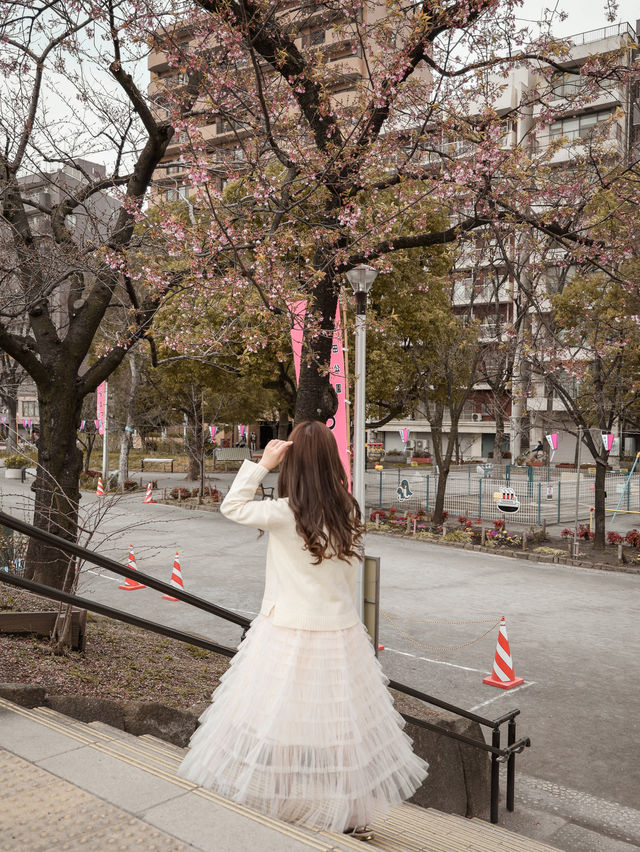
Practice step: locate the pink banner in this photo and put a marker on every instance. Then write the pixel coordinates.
(298, 310)
(100, 394)
(607, 440)
(213, 430)
(339, 423)
(553, 443)
(242, 431)
(404, 434)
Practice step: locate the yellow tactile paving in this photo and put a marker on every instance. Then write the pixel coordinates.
(42, 812)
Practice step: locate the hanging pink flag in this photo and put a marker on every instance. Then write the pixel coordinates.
(82, 423)
(607, 440)
(404, 434)
(100, 397)
(339, 423)
(298, 310)
(24, 424)
(552, 440)
(242, 430)
(213, 430)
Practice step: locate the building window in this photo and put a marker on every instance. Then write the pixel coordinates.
(579, 127)
(29, 408)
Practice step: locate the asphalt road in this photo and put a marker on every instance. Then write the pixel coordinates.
(573, 632)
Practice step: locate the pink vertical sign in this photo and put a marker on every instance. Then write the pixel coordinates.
(339, 423)
(298, 310)
(100, 407)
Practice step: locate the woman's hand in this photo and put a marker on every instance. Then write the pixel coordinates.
(273, 453)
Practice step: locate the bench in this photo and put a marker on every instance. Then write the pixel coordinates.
(156, 461)
(266, 491)
(231, 454)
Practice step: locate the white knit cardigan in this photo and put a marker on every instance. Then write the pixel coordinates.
(300, 594)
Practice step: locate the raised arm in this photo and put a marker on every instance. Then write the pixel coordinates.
(240, 506)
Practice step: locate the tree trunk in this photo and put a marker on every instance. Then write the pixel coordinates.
(316, 399)
(283, 424)
(443, 460)
(599, 504)
(127, 432)
(56, 484)
(194, 435)
(12, 435)
(497, 446)
(91, 439)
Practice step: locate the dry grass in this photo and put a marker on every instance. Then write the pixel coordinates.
(120, 663)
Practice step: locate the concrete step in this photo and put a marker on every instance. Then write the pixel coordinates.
(149, 805)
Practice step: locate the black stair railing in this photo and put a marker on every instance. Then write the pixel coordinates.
(499, 754)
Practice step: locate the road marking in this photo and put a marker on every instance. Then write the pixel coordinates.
(438, 662)
(103, 576)
(501, 695)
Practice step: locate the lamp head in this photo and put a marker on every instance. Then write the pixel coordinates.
(361, 278)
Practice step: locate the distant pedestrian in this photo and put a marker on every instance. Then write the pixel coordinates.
(253, 441)
(302, 727)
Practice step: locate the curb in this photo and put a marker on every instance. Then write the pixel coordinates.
(517, 554)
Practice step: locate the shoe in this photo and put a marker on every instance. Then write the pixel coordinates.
(360, 832)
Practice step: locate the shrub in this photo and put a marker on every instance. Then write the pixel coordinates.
(445, 515)
(180, 493)
(633, 538)
(457, 535)
(614, 537)
(130, 485)
(378, 513)
(499, 524)
(585, 533)
(16, 461)
(566, 533)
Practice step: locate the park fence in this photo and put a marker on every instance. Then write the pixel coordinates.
(545, 496)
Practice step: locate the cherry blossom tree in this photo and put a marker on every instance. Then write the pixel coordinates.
(337, 123)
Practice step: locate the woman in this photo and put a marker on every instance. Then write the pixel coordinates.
(302, 727)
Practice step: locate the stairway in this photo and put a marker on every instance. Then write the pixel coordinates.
(72, 785)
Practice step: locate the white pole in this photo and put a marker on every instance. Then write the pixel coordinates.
(358, 428)
(105, 440)
(576, 546)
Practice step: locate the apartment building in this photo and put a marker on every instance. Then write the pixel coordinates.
(486, 292)
(89, 222)
(319, 29)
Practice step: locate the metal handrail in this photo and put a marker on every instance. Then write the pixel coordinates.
(498, 754)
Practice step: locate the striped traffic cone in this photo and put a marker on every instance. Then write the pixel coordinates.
(176, 579)
(503, 674)
(100, 488)
(130, 585)
(148, 497)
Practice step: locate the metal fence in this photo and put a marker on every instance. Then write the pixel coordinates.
(468, 493)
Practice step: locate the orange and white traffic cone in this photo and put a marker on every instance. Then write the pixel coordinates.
(100, 488)
(176, 579)
(130, 585)
(503, 674)
(148, 497)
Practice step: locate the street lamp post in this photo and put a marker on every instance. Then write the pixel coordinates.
(361, 279)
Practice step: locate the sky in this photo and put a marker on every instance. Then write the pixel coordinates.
(583, 15)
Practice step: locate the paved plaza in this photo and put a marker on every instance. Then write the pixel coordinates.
(573, 635)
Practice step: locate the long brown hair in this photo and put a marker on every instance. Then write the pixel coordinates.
(314, 480)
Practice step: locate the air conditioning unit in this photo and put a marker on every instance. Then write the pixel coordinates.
(476, 417)
(419, 445)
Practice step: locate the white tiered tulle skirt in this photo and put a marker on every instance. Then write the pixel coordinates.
(302, 728)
